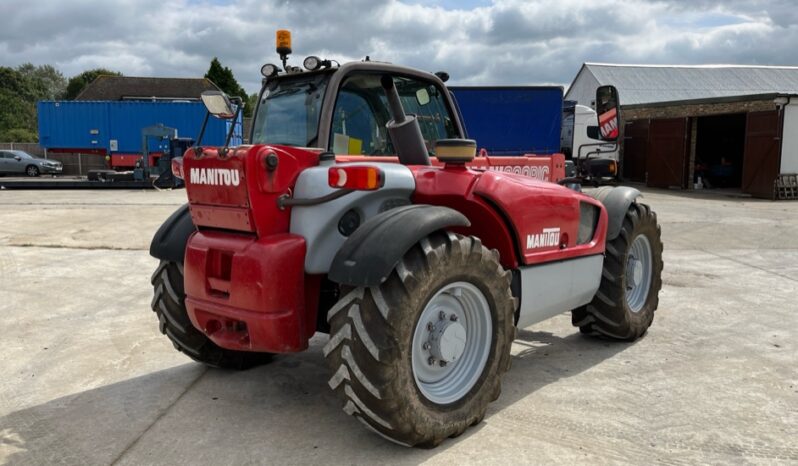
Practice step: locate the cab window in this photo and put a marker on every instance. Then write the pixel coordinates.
(289, 111)
(361, 112)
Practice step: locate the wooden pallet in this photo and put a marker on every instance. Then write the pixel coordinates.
(786, 186)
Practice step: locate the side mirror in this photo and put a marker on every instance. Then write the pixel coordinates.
(17, 158)
(218, 104)
(608, 112)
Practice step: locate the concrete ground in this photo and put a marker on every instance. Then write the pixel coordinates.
(88, 379)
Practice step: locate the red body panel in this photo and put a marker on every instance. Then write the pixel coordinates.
(244, 272)
(455, 188)
(534, 206)
(248, 290)
(505, 208)
(247, 293)
(543, 168)
(251, 186)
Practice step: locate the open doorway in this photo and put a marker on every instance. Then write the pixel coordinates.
(720, 145)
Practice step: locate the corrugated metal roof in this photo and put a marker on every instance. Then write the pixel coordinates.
(639, 84)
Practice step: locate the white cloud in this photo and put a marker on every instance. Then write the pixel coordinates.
(504, 42)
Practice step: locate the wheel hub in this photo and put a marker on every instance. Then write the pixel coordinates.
(635, 272)
(639, 272)
(447, 340)
(451, 342)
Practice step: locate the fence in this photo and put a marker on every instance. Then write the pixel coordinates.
(75, 164)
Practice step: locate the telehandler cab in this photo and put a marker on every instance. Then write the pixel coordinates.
(360, 210)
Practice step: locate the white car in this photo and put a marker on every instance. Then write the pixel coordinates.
(20, 162)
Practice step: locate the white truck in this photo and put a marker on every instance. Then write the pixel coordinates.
(581, 144)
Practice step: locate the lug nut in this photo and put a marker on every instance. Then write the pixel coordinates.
(426, 345)
(442, 363)
(430, 326)
(453, 317)
(442, 315)
(431, 361)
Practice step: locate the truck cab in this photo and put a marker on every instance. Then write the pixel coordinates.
(582, 145)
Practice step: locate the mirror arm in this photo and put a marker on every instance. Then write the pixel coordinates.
(198, 145)
(223, 150)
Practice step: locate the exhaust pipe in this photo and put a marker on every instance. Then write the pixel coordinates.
(404, 129)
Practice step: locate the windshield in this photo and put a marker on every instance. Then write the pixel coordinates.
(289, 112)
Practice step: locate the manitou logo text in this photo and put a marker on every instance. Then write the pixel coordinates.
(540, 172)
(214, 176)
(549, 237)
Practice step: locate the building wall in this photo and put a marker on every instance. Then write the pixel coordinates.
(789, 144)
(694, 110)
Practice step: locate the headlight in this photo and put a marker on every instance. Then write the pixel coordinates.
(268, 70)
(312, 63)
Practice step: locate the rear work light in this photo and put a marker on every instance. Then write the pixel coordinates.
(361, 178)
(177, 167)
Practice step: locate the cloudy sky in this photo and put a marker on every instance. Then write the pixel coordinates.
(476, 41)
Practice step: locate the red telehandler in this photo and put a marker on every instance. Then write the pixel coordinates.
(360, 210)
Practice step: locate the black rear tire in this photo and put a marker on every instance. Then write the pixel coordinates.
(609, 315)
(168, 303)
(372, 330)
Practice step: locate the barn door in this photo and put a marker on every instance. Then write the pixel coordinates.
(635, 150)
(667, 152)
(761, 156)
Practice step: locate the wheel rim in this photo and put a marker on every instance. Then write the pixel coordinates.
(451, 342)
(31, 171)
(638, 273)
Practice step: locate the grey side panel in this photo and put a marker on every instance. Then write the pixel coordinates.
(169, 242)
(319, 224)
(550, 289)
(616, 201)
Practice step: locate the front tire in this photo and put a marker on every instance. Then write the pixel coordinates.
(419, 357)
(168, 303)
(32, 171)
(631, 279)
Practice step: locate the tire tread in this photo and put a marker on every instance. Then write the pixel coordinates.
(607, 315)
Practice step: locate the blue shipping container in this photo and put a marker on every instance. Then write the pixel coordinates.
(512, 120)
(115, 126)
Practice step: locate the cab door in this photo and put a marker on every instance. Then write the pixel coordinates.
(360, 114)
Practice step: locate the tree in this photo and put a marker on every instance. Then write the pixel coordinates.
(17, 106)
(223, 77)
(47, 82)
(19, 135)
(78, 83)
(252, 102)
